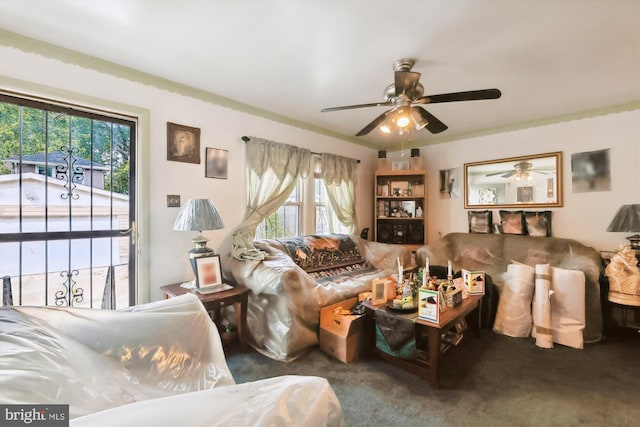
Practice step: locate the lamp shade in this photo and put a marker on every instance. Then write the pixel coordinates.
(626, 220)
(198, 215)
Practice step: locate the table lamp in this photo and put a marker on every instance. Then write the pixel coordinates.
(198, 215)
(627, 220)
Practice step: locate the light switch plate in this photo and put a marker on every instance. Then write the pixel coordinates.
(173, 200)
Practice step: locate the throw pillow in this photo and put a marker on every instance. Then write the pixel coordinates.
(480, 221)
(538, 223)
(512, 222)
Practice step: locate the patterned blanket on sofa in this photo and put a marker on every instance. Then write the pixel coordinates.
(324, 257)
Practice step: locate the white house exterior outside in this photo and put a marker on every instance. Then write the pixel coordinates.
(41, 203)
(92, 173)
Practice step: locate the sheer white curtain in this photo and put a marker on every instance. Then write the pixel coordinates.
(339, 177)
(273, 170)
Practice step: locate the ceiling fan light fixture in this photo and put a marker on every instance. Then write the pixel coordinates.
(402, 122)
(419, 121)
(385, 129)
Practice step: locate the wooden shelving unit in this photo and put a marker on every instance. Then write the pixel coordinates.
(400, 207)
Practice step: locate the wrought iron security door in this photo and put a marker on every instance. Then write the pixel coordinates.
(67, 205)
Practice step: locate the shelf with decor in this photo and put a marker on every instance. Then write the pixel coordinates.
(400, 207)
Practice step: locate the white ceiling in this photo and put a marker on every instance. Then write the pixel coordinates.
(550, 59)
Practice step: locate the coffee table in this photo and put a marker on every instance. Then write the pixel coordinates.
(427, 366)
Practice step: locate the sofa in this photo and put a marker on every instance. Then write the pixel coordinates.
(298, 277)
(492, 253)
(158, 364)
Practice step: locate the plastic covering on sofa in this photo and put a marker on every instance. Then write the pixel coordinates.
(285, 302)
(492, 253)
(154, 363)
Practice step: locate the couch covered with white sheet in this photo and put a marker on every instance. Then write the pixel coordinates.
(499, 256)
(158, 364)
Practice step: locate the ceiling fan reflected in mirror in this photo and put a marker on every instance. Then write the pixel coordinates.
(406, 95)
(521, 170)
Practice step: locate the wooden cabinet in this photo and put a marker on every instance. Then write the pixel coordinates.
(400, 207)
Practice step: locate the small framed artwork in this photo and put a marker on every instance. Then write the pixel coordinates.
(208, 269)
(378, 291)
(400, 188)
(524, 195)
(217, 163)
(409, 206)
(183, 143)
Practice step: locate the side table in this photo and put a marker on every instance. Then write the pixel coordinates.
(213, 303)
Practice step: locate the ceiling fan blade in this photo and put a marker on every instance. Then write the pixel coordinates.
(351, 107)
(371, 126)
(406, 82)
(508, 174)
(434, 125)
(470, 95)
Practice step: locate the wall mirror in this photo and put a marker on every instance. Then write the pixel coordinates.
(526, 181)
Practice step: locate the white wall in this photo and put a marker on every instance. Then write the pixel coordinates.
(220, 128)
(584, 216)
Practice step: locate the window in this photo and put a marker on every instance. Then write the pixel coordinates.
(286, 221)
(324, 215)
(301, 215)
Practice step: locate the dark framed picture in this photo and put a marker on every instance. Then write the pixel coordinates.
(538, 223)
(216, 163)
(512, 222)
(480, 221)
(183, 143)
(208, 269)
(524, 195)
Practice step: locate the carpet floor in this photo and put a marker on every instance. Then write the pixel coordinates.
(493, 380)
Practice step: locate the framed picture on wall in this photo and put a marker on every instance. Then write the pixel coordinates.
(217, 163)
(524, 195)
(183, 143)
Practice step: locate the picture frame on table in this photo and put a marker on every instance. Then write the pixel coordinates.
(429, 302)
(209, 271)
(183, 143)
(378, 291)
(209, 275)
(216, 163)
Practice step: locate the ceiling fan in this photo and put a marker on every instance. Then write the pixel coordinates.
(405, 95)
(522, 170)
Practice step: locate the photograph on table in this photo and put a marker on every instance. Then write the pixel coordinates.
(208, 269)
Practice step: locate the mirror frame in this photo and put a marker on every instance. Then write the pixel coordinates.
(510, 160)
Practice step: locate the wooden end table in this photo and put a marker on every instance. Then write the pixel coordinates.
(428, 368)
(213, 303)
